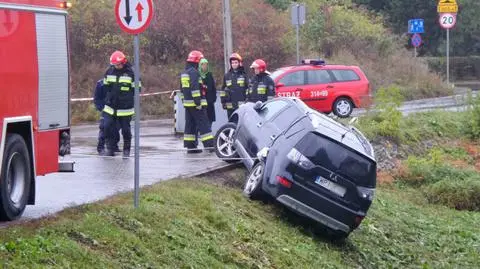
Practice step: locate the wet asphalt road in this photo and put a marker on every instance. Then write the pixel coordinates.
(95, 178)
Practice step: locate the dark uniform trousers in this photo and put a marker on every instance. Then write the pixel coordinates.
(102, 134)
(110, 122)
(196, 121)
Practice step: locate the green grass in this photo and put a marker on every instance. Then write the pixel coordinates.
(197, 224)
(418, 127)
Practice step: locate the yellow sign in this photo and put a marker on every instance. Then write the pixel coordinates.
(447, 6)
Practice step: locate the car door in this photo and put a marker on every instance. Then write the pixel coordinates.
(258, 131)
(319, 89)
(348, 83)
(291, 84)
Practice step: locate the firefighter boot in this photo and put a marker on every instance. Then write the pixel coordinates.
(126, 149)
(109, 151)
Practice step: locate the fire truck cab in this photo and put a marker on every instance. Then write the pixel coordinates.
(34, 100)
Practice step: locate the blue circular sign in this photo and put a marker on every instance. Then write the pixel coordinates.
(416, 40)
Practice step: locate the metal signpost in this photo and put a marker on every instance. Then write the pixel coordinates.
(416, 42)
(416, 27)
(134, 17)
(298, 18)
(447, 11)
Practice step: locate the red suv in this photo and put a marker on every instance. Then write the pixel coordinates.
(326, 88)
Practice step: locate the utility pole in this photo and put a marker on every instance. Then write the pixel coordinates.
(227, 33)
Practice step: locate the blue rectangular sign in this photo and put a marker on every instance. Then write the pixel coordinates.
(415, 26)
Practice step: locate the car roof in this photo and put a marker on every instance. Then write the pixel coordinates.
(346, 135)
(314, 67)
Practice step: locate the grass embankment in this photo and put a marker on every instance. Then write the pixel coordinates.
(197, 224)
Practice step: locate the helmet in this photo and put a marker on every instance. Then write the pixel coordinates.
(194, 56)
(236, 56)
(260, 64)
(118, 58)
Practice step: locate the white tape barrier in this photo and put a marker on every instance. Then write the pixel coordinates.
(142, 94)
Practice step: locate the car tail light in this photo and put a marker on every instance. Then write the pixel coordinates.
(284, 182)
(358, 220)
(299, 159)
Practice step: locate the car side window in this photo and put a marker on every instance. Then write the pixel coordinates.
(345, 75)
(270, 109)
(293, 79)
(318, 77)
(286, 117)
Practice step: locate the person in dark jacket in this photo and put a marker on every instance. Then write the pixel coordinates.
(208, 86)
(235, 85)
(119, 102)
(195, 103)
(262, 87)
(99, 101)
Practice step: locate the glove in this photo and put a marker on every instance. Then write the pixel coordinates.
(224, 106)
(199, 107)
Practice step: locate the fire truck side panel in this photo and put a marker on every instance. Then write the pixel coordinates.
(18, 71)
(46, 152)
(34, 75)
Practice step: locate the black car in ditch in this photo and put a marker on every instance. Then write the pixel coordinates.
(306, 160)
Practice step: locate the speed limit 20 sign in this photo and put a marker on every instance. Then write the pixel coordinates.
(447, 20)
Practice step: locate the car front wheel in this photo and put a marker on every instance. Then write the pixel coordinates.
(253, 185)
(343, 107)
(225, 143)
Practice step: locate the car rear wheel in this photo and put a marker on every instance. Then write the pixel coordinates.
(225, 143)
(15, 178)
(343, 107)
(253, 185)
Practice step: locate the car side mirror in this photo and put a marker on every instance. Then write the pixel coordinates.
(279, 85)
(258, 105)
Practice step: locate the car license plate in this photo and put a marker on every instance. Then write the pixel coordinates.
(331, 186)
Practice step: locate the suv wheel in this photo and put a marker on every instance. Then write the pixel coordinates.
(343, 107)
(253, 185)
(225, 143)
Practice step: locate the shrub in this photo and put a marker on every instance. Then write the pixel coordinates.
(458, 194)
(385, 119)
(472, 119)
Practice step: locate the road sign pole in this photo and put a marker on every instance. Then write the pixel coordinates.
(136, 45)
(415, 52)
(135, 23)
(448, 57)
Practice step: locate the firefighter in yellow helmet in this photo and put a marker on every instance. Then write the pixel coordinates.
(235, 85)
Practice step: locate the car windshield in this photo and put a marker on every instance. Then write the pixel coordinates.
(277, 73)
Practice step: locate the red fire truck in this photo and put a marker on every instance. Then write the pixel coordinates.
(34, 100)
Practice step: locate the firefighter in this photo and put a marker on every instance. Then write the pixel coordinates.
(195, 103)
(208, 88)
(99, 100)
(235, 85)
(119, 101)
(262, 87)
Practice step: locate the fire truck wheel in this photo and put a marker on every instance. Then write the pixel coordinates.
(15, 178)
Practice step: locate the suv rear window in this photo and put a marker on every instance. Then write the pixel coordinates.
(339, 159)
(345, 75)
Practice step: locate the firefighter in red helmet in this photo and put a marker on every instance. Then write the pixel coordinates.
(119, 102)
(195, 102)
(262, 87)
(235, 85)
